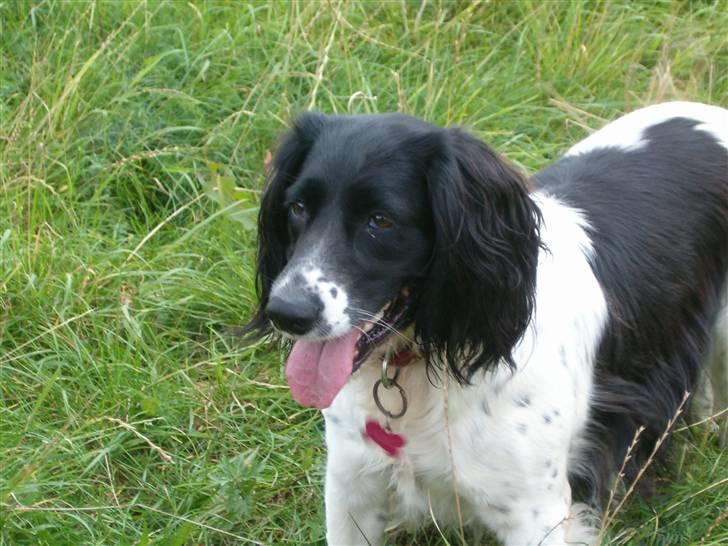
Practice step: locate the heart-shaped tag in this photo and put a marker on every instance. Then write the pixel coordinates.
(388, 441)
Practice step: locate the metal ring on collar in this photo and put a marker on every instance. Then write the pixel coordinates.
(386, 381)
(378, 402)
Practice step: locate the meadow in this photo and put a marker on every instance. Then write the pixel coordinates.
(133, 138)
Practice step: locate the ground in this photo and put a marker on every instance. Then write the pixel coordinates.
(133, 138)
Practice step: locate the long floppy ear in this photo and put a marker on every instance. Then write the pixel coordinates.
(273, 238)
(479, 295)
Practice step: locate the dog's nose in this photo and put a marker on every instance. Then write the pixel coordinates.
(295, 313)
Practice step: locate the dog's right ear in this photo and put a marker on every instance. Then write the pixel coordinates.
(273, 217)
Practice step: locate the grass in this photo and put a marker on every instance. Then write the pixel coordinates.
(130, 413)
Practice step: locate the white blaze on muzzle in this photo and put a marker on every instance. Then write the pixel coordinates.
(333, 320)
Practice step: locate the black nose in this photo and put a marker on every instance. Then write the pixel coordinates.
(294, 313)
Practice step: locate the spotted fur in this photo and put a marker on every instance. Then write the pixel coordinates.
(550, 323)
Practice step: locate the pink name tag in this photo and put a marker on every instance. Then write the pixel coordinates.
(388, 441)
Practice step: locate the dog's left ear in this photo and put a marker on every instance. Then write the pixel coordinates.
(273, 218)
(479, 294)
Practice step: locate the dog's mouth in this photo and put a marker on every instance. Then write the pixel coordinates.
(394, 315)
(317, 370)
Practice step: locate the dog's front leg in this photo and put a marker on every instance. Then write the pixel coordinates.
(356, 487)
(355, 505)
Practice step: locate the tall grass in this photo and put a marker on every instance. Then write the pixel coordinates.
(130, 413)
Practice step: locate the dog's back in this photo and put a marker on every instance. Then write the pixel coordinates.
(653, 187)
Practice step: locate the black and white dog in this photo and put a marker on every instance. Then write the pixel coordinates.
(527, 328)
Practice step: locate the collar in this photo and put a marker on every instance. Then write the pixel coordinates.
(403, 357)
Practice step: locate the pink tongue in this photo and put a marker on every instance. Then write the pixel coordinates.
(317, 370)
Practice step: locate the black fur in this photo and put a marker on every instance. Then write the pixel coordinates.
(659, 219)
(483, 273)
(466, 239)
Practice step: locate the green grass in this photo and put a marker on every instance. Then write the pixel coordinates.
(130, 412)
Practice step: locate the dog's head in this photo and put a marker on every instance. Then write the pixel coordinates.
(372, 223)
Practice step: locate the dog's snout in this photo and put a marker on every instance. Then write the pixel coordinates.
(295, 313)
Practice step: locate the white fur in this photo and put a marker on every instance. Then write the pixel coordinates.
(712, 396)
(627, 132)
(334, 311)
(501, 446)
(334, 321)
(719, 372)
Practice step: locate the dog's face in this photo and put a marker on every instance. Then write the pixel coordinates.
(370, 223)
(358, 230)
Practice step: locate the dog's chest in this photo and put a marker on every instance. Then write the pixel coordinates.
(470, 443)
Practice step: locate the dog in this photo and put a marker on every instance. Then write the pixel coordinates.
(487, 348)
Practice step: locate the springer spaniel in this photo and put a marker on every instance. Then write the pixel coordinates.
(486, 346)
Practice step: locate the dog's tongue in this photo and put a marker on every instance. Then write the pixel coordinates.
(317, 370)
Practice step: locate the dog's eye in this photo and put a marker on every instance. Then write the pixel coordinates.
(297, 209)
(379, 221)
